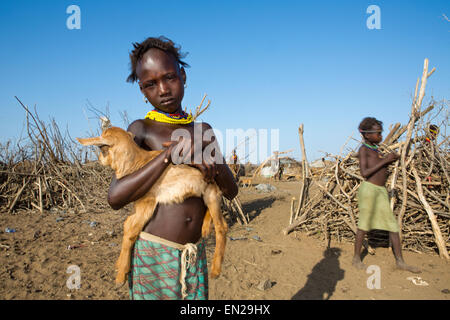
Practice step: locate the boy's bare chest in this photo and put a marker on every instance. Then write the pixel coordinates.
(374, 157)
(155, 136)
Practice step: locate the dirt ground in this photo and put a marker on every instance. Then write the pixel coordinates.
(34, 260)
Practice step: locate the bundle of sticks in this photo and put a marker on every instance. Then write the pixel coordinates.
(44, 171)
(418, 185)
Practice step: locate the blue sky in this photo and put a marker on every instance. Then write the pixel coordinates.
(264, 64)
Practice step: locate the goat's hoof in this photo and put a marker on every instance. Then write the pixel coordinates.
(215, 274)
(120, 280)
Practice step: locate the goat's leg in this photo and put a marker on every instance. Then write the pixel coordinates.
(123, 262)
(132, 227)
(206, 227)
(212, 200)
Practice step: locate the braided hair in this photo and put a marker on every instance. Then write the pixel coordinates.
(161, 43)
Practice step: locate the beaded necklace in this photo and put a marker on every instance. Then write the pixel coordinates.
(174, 118)
(374, 148)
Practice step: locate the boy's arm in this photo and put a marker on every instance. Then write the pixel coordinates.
(225, 180)
(223, 176)
(366, 170)
(133, 186)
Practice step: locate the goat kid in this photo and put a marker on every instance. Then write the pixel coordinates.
(176, 183)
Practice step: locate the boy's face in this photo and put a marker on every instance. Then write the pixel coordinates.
(161, 80)
(375, 136)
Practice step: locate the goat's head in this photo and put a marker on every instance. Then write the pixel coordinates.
(114, 143)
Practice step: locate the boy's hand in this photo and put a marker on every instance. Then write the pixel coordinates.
(169, 145)
(183, 150)
(209, 171)
(391, 157)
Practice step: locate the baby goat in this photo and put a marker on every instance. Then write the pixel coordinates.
(177, 182)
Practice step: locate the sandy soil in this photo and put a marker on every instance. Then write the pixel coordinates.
(35, 259)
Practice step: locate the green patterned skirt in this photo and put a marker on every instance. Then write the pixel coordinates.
(157, 271)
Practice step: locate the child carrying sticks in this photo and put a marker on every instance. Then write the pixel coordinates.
(373, 201)
(156, 262)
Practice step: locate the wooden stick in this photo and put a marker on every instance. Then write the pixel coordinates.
(21, 173)
(239, 209)
(298, 222)
(391, 133)
(443, 253)
(73, 193)
(333, 198)
(43, 134)
(404, 128)
(234, 210)
(18, 195)
(306, 174)
(231, 210)
(436, 198)
(41, 207)
(350, 211)
(325, 231)
(199, 109)
(415, 108)
(304, 158)
(238, 201)
(442, 162)
(393, 182)
(354, 175)
(291, 217)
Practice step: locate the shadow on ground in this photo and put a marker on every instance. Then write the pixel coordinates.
(255, 207)
(323, 278)
(252, 209)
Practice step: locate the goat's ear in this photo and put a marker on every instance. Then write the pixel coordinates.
(96, 141)
(131, 134)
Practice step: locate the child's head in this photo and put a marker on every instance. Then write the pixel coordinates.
(157, 66)
(371, 129)
(433, 131)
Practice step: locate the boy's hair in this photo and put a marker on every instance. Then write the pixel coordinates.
(433, 131)
(367, 124)
(433, 128)
(161, 43)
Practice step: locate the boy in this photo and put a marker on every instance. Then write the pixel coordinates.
(156, 262)
(373, 201)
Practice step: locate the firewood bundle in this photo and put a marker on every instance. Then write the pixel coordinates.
(44, 172)
(418, 185)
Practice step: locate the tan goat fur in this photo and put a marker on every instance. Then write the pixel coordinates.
(177, 183)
